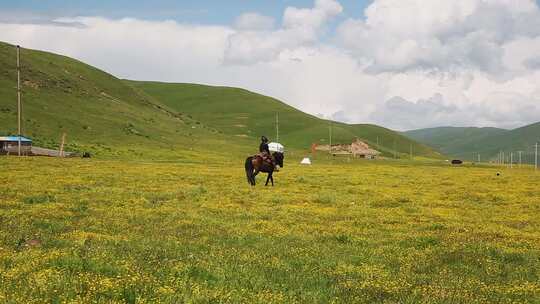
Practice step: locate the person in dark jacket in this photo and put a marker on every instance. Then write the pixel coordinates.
(263, 147)
(264, 150)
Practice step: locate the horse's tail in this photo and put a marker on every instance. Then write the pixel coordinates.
(249, 170)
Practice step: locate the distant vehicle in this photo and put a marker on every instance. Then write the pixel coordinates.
(457, 162)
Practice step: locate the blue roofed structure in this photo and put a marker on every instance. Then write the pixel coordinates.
(10, 145)
(14, 138)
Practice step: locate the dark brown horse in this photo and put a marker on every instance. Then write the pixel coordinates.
(256, 164)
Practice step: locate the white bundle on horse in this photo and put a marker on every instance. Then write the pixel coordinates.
(276, 147)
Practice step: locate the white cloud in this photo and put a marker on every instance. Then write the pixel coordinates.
(407, 64)
(301, 27)
(311, 18)
(440, 35)
(254, 22)
(505, 110)
(412, 115)
(129, 48)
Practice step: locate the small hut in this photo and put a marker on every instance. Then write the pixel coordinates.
(362, 150)
(10, 145)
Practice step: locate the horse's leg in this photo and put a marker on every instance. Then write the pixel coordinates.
(255, 174)
(252, 178)
(270, 178)
(250, 168)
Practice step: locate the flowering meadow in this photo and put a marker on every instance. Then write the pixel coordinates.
(111, 231)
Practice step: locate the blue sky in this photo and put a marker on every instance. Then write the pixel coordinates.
(188, 11)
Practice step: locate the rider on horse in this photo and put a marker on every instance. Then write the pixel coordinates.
(264, 151)
(265, 161)
(264, 145)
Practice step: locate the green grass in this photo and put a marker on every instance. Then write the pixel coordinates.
(112, 231)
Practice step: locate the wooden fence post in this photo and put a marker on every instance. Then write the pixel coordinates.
(61, 153)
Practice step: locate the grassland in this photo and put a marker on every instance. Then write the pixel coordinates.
(108, 231)
(164, 214)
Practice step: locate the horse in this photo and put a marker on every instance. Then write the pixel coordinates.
(256, 164)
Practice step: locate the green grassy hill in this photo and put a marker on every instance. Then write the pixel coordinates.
(459, 142)
(520, 139)
(241, 113)
(105, 115)
(97, 111)
(468, 142)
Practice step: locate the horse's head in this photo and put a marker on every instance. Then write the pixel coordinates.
(279, 157)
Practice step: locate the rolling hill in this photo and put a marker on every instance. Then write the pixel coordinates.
(466, 143)
(241, 113)
(109, 116)
(455, 141)
(97, 111)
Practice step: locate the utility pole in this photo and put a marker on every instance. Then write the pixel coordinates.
(520, 158)
(19, 97)
(479, 157)
(61, 152)
(411, 152)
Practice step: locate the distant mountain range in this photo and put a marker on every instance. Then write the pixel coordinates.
(468, 142)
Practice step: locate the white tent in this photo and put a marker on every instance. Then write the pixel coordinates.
(306, 161)
(276, 147)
